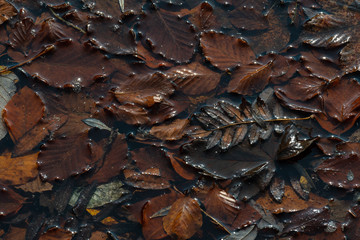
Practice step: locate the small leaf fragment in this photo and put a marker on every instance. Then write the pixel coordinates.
(93, 122)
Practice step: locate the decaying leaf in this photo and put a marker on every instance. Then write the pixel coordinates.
(10, 201)
(93, 122)
(7, 90)
(184, 218)
(7, 11)
(145, 180)
(172, 131)
(18, 170)
(23, 112)
(168, 35)
(225, 52)
(248, 233)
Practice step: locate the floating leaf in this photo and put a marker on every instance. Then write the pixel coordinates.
(56, 233)
(224, 51)
(7, 90)
(184, 218)
(168, 35)
(23, 112)
(36, 186)
(18, 170)
(145, 180)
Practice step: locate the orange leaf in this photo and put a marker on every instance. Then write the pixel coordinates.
(18, 170)
(170, 132)
(184, 218)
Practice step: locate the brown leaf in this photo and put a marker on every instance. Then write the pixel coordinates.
(202, 16)
(168, 35)
(249, 18)
(152, 228)
(20, 36)
(66, 156)
(144, 91)
(115, 161)
(249, 79)
(36, 186)
(56, 233)
(184, 218)
(149, 179)
(33, 137)
(170, 132)
(18, 170)
(77, 66)
(181, 168)
(15, 233)
(7, 11)
(129, 113)
(224, 51)
(10, 201)
(290, 202)
(150, 60)
(23, 112)
(194, 78)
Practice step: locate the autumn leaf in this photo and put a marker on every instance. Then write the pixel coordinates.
(18, 170)
(225, 52)
(172, 131)
(10, 201)
(184, 218)
(23, 112)
(7, 11)
(168, 35)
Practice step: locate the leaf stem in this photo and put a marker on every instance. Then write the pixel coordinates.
(253, 121)
(66, 22)
(46, 50)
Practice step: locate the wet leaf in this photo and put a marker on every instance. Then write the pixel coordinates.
(7, 11)
(194, 78)
(145, 91)
(224, 51)
(249, 17)
(249, 79)
(202, 16)
(291, 202)
(15, 233)
(150, 60)
(152, 228)
(248, 233)
(18, 170)
(55, 234)
(291, 146)
(10, 201)
(168, 35)
(7, 90)
(65, 157)
(309, 220)
(277, 189)
(23, 112)
(68, 55)
(184, 218)
(145, 180)
(36, 186)
(170, 132)
(93, 122)
(340, 170)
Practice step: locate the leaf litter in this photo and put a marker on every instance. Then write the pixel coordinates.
(179, 119)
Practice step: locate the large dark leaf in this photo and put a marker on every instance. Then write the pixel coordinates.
(224, 51)
(168, 35)
(11, 202)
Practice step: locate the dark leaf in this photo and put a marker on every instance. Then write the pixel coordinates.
(277, 189)
(249, 233)
(224, 51)
(291, 146)
(7, 11)
(168, 35)
(10, 201)
(150, 179)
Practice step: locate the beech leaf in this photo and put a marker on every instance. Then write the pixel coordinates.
(184, 218)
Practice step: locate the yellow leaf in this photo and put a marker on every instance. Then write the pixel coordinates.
(109, 221)
(92, 212)
(18, 170)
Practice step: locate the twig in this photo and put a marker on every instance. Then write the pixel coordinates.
(66, 22)
(46, 50)
(253, 121)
